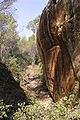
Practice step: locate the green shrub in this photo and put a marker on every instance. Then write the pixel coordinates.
(4, 109)
(56, 111)
(34, 111)
(17, 63)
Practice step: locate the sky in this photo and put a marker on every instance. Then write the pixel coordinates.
(26, 11)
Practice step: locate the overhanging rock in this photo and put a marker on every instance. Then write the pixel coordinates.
(58, 42)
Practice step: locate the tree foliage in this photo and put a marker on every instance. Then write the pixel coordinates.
(32, 24)
(12, 48)
(8, 35)
(31, 40)
(5, 4)
(22, 44)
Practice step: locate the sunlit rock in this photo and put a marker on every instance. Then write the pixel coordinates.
(58, 43)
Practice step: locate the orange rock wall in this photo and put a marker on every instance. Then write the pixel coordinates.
(55, 44)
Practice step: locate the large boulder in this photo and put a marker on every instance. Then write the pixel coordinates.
(58, 43)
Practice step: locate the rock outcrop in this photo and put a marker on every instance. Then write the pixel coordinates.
(58, 43)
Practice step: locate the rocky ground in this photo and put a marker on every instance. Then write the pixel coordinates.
(32, 84)
(29, 99)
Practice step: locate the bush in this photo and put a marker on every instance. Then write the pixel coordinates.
(4, 109)
(17, 63)
(33, 111)
(56, 111)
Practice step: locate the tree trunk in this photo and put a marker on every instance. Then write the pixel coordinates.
(58, 42)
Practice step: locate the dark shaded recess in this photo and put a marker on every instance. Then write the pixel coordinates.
(53, 1)
(10, 91)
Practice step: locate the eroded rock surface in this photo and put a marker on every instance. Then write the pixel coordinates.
(58, 42)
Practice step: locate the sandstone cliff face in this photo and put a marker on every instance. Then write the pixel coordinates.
(58, 42)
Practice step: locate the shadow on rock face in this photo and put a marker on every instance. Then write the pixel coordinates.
(10, 91)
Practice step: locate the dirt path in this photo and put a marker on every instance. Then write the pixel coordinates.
(32, 84)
